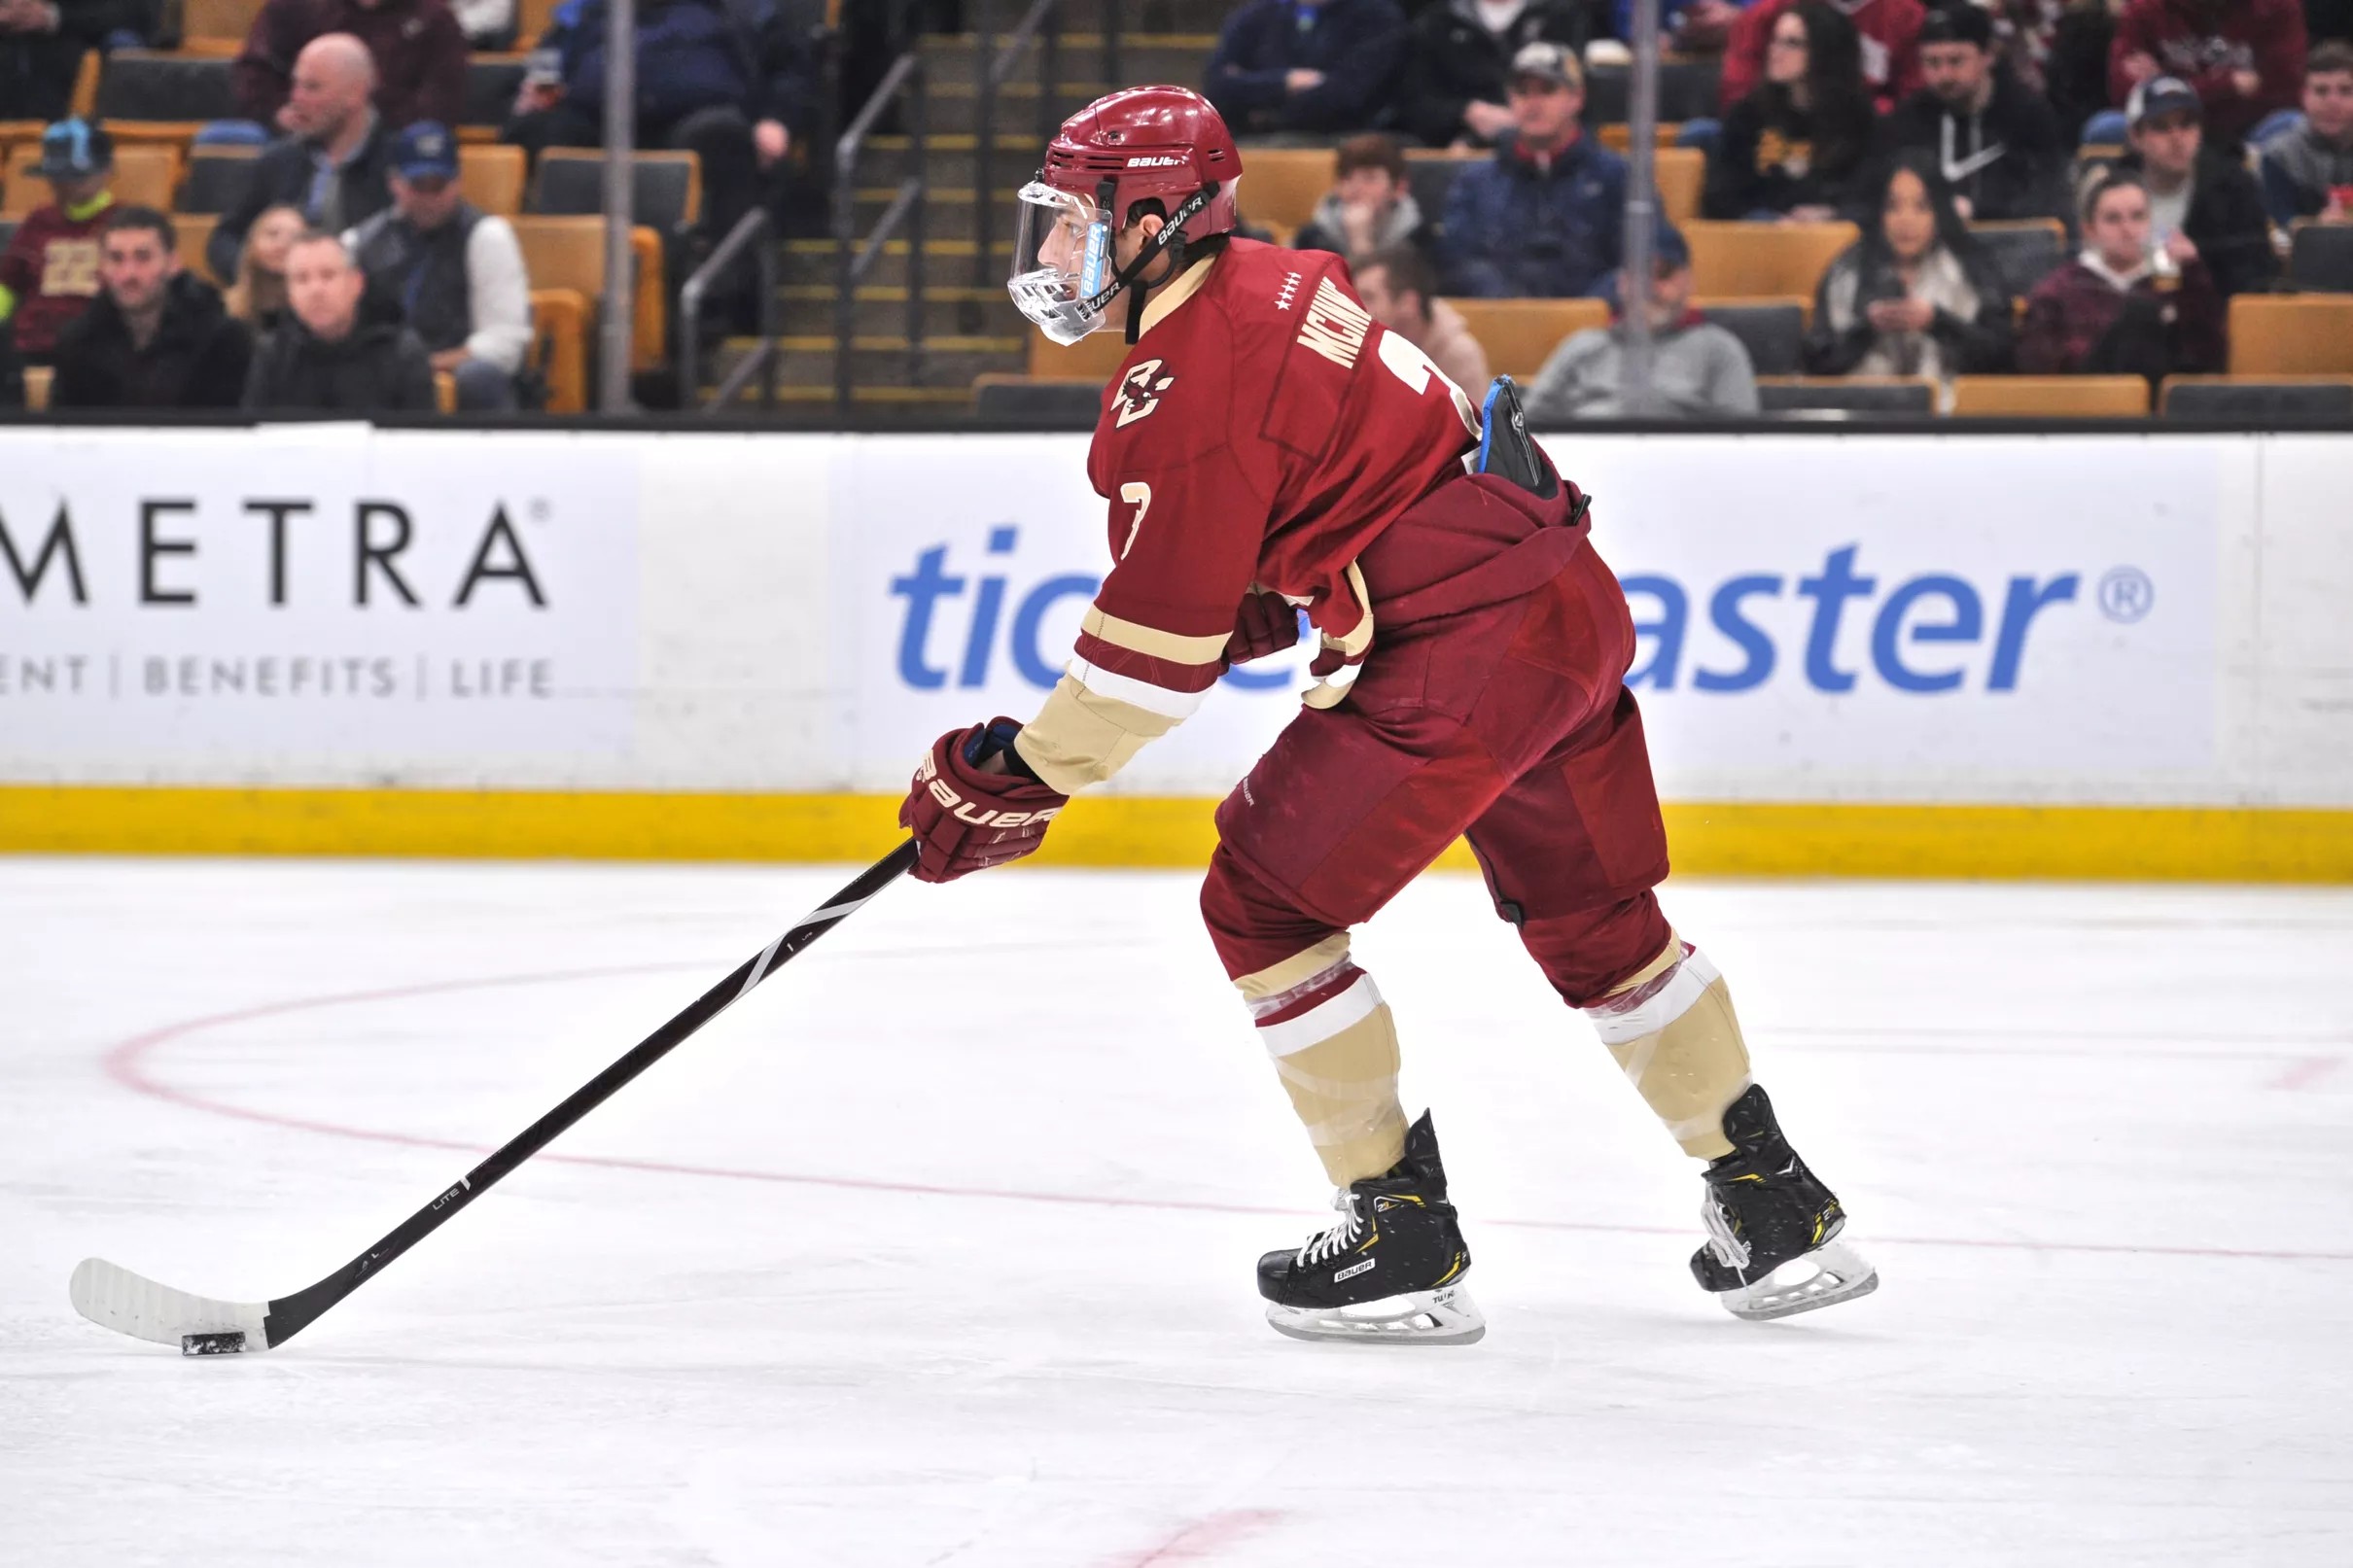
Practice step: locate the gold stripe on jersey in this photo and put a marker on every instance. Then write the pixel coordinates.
(1081, 737)
(1152, 642)
(1167, 298)
(1297, 969)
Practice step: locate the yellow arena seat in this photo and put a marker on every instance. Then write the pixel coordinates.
(492, 178)
(1737, 261)
(1520, 335)
(2290, 335)
(559, 330)
(2050, 397)
(1093, 357)
(1281, 185)
(37, 379)
(568, 253)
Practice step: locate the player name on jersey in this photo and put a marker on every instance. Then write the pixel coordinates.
(1335, 326)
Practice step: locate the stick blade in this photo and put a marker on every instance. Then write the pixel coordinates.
(114, 1297)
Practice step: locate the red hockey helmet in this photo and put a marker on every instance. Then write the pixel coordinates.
(1160, 144)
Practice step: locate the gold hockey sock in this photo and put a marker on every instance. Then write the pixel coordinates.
(1335, 1049)
(1675, 1036)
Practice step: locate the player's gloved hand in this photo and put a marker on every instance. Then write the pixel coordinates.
(1267, 623)
(965, 820)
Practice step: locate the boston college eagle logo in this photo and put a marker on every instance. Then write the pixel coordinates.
(1140, 391)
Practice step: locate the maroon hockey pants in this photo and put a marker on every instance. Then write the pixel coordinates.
(1510, 724)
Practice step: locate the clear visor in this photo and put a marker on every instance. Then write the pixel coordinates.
(1062, 260)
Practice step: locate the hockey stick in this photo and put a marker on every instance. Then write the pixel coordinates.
(114, 1298)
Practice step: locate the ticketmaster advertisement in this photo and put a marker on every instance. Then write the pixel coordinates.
(225, 606)
(1820, 619)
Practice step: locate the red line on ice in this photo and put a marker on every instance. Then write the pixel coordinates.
(2305, 1073)
(127, 1064)
(1196, 1540)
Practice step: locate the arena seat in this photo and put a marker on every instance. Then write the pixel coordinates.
(13, 131)
(223, 22)
(1429, 174)
(1773, 330)
(492, 177)
(144, 176)
(194, 230)
(559, 335)
(2320, 257)
(1893, 396)
(2050, 397)
(1521, 334)
(146, 95)
(1688, 90)
(568, 253)
(666, 188)
(2251, 401)
(1682, 175)
(2025, 251)
(1741, 261)
(492, 82)
(1063, 404)
(1281, 185)
(2291, 333)
(1619, 137)
(532, 16)
(445, 392)
(1094, 358)
(216, 177)
(37, 379)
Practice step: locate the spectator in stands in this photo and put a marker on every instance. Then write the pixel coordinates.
(2244, 58)
(1305, 66)
(1698, 371)
(1997, 143)
(1542, 218)
(1688, 26)
(157, 336)
(258, 297)
(731, 81)
(1400, 289)
(333, 163)
(1887, 48)
(456, 274)
(2196, 192)
(2308, 172)
(41, 47)
(2123, 306)
(1458, 56)
(418, 50)
(1916, 295)
(2075, 75)
(332, 356)
(1794, 147)
(48, 274)
(1369, 208)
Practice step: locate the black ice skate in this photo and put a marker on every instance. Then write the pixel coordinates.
(1391, 1271)
(1773, 1247)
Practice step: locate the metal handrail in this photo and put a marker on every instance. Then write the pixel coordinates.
(752, 228)
(995, 67)
(853, 261)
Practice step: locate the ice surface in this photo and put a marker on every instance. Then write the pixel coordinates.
(937, 1250)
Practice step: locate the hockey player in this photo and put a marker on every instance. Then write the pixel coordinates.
(1267, 444)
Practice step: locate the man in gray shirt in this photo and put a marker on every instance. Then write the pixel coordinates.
(1698, 371)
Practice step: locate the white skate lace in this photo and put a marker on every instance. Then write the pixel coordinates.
(1729, 1248)
(1338, 1237)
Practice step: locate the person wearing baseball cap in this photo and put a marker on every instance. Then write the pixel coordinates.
(1996, 140)
(2203, 205)
(1459, 58)
(48, 273)
(1698, 371)
(1543, 217)
(455, 273)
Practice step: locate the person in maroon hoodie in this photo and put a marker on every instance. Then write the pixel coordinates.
(48, 274)
(1890, 30)
(2245, 57)
(417, 46)
(2123, 306)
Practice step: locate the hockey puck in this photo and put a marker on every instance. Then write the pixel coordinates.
(212, 1345)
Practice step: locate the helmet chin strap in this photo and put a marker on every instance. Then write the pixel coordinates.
(1170, 241)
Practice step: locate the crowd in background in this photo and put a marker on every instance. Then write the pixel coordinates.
(2174, 140)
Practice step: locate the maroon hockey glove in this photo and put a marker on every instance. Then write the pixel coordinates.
(964, 819)
(1267, 623)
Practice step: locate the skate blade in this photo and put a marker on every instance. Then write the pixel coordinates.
(1823, 1278)
(1445, 1316)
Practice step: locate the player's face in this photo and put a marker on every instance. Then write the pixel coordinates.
(2169, 142)
(2328, 103)
(1954, 72)
(2120, 227)
(134, 267)
(1906, 220)
(1065, 246)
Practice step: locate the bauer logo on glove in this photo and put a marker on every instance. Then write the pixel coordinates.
(966, 817)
